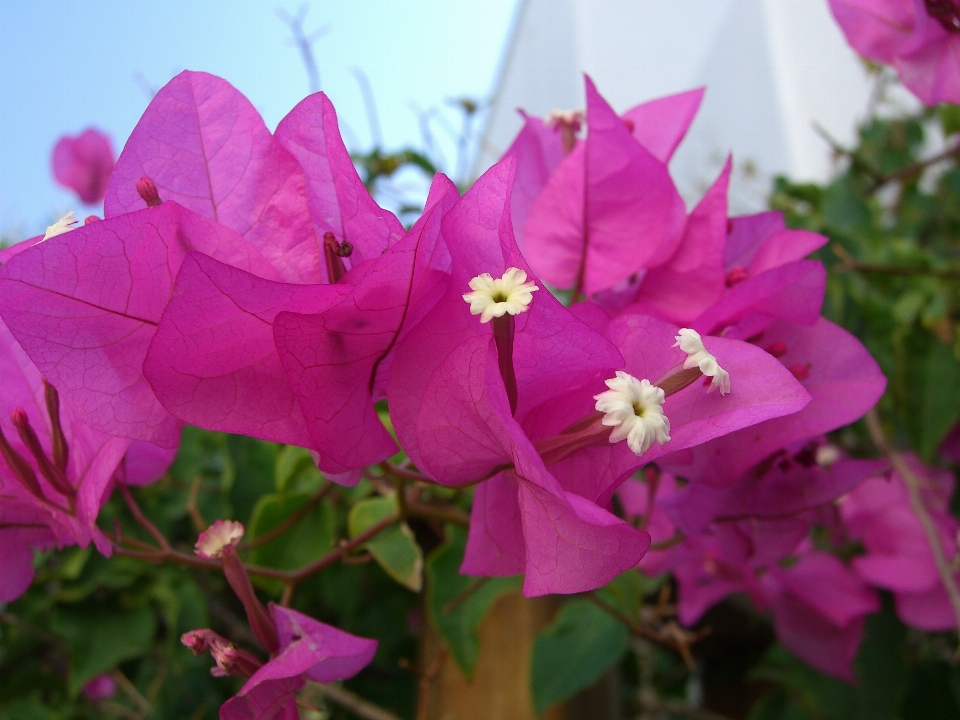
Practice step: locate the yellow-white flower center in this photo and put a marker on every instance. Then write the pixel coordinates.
(697, 356)
(634, 408)
(496, 297)
(215, 538)
(572, 118)
(64, 224)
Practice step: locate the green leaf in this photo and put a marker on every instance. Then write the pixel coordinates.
(296, 471)
(102, 637)
(254, 462)
(580, 645)
(949, 118)
(309, 539)
(932, 392)
(395, 549)
(457, 603)
(881, 666)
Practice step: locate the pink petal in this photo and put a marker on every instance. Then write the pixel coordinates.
(339, 202)
(877, 29)
(659, 125)
(206, 147)
(213, 361)
(85, 305)
(268, 700)
(84, 163)
(694, 278)
(582, 229)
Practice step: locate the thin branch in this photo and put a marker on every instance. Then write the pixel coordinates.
(304, 42)
(142, 519)
(855, 159)
(917, 167)
(196, 517)
(465, 595)
(677, 643)
(130, 690)
(851, 263)
(352, 702)
(294, 517)
(426, 682)
(673, 707)
(370, 105)
(443, 513)
(913, 484)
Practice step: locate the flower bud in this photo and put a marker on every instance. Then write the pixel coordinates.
(147, 189)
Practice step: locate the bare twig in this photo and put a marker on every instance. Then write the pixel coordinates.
(444, 513)
(294, 517)
(851, 263)
(352, 702)
(130, 690)
(917, 167)
(426, 681)
(142, 519)
(914, 484)
(370, 105)
(465, 595)
(196, 517)
(673, 707)
(304, 42)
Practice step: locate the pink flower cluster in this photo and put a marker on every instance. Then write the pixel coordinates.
(920, 38)
(246, 282)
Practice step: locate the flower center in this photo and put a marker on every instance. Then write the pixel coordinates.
(510, 294)
(634, 409)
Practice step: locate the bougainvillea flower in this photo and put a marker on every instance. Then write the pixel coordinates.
(308, 649)
(659, 125)
(898, 555)
(818, 604)
(299, 364)
(582, 230)
(84, 305)
(205, 146)
(834, 367)
(84, 163)
(55, 472)
(789, 483)
(761, 388)
(920, 38)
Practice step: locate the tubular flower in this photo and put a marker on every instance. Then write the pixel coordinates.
(64, 224)
(634, 408)
(215, 538)
(492, 298)
(697, 356)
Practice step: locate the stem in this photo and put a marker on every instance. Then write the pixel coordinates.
(915, 168)
(503, 332)
(426, 681)
(913, 485)
(851, 263)
(446, 513)
(290, 521)
(353, 702)
(465, 595)
(142, 519)
(196, 517)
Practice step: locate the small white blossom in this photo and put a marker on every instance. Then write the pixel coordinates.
(827, 455)
(215, 538)
(496, 297)
(634, 408)
(64, 224)
(697, 356)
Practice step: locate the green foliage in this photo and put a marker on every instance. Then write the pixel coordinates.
(580, 645)
(395, 549)
(457, 603)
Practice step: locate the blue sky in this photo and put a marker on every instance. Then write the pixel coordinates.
(67, 64)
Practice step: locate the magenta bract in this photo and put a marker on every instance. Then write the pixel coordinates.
(84, 163)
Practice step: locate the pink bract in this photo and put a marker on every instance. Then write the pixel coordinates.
(83, 163)
(924, 47)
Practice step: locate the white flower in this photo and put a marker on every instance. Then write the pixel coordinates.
(634, 409)
(64, 224)
(697, 356)
(495, 298)
(215, 538)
